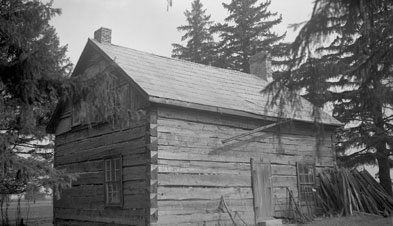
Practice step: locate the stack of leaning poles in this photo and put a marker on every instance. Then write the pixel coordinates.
(345, 192)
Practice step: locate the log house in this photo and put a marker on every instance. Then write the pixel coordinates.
(169, 165)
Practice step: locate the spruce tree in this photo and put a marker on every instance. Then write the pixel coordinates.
(247, 31)
(344, 56)
(33, 69)
(197, 34)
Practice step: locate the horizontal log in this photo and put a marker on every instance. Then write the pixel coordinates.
(201, 205)
(187, 193)
(135, 187)
(232, 121)
(207, 164)
(89, 178)
(136, 201)
(200, 167)
(103, 140)
(177, 127)
(97, 130)
(209, 118)
(217, 218)
(200, 170)
(262, 143)
(130, 147)
(108, 215)
(96, 202)
(284, 181)
(204, 180)
(284, 170)
(134, 173)
(235, 157)
(83, 167)
(83, 190)
(135, 158)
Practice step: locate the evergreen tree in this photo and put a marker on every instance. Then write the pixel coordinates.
(344, 56)
(197, 34)
(247, 31)
(33, 68)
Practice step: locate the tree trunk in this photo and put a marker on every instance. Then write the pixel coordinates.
(384, 173)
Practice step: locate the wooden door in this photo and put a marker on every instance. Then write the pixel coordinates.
(262, 189)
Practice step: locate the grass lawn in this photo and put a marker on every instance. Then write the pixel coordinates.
(360, 220)
(40, 213)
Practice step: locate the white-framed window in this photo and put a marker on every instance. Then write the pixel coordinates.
(306, 181)
(113, 181)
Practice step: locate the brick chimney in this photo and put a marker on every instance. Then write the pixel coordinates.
(103, 35)
(261, 66)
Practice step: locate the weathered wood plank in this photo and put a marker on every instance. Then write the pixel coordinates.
(202, 205)
(202, 164)
(284, 181)
(135, 187)
(186, 129)
(97, 130)
(102, 140)
(284, 170)
(233, 121)
(262, 189)
(89, 178)
(84, 167)
(82, 202)
(131, 147)
(109, 215)
(83, 190)
(198, 170)
(136, 201)
(204, 180)
(217, 218)
(230, 156)
(134, 173)
(263, 143)
(192, 193)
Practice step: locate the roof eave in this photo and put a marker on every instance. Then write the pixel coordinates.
(183, 104)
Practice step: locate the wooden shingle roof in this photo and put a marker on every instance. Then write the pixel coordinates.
(183, 83)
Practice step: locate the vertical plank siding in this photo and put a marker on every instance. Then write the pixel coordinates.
(194, 169)
(81, 151)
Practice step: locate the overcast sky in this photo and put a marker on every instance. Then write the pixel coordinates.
(146, 25)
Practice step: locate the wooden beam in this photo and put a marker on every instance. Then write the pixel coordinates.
(253, 131)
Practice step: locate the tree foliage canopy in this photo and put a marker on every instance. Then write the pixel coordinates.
(198, 36)
(246, 31)
(343, 56)
(33, 68)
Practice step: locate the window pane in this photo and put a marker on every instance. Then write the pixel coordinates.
(113, 176)
(113, 183)
(107, 164)
(118, 175)
(306, 181)
(107, 176)
(116, 197)
(107, 170)
(109, 197)
(117, 163)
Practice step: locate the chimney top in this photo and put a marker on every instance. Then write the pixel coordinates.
(260, 65)
(103, 35)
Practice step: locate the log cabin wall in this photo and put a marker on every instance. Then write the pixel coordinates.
(82, 150)
(195, 169)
